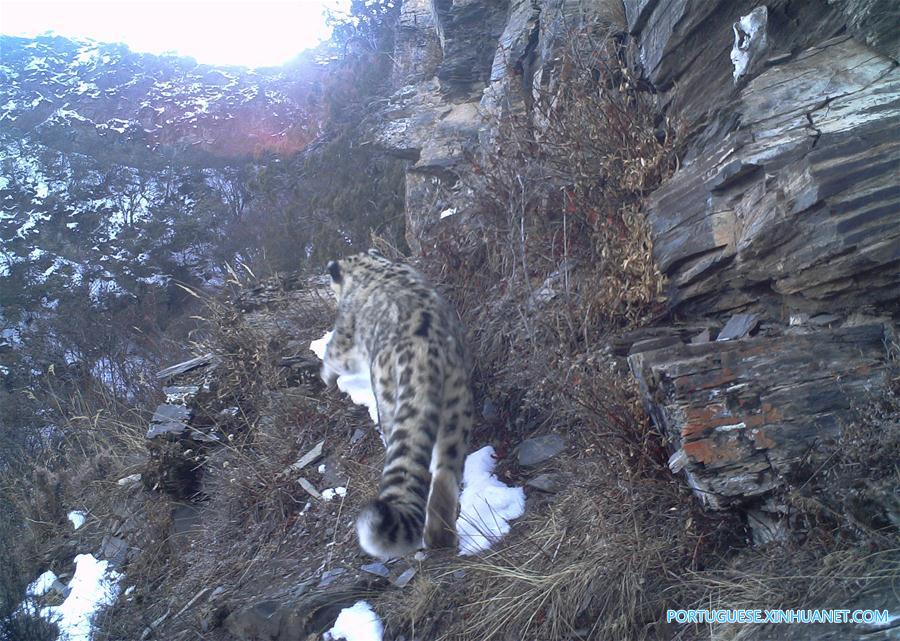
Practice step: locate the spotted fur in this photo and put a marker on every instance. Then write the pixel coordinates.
(393, 322)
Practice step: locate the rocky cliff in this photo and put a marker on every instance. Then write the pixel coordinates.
(778, 235)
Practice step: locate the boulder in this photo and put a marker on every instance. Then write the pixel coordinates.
(741, 414)
(796, 207)
(539, 449)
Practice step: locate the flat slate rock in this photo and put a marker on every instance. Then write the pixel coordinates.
(544, 483)
(329, 576)
(378, 569)
(183, 367)
(314, 454)
(309, 487)
(540, 449)
(169, 419)
(180, 393)
(403, 580)
(738, 326)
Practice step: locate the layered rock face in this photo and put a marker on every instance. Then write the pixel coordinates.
(786, 208)
(783, 213)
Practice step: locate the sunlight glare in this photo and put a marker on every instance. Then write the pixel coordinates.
(223, 32)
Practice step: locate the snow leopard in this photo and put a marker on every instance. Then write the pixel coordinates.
(393, 322)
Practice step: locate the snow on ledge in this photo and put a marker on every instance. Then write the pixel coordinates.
(41, 585)
(356, 623)
(357, 385)
(487, 505)
(749, 39)
(318, 347)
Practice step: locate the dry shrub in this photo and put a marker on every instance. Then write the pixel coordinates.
(92, 439)
(555, 254)
(558, 194)
(852, 495)
(792, 577)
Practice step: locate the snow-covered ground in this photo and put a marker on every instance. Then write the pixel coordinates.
(93, 586)
(486, 505)
(356, 623)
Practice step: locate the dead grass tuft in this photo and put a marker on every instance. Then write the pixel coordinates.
(559, 194)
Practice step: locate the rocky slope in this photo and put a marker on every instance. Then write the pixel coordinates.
(123, 172)
(83, 95)
(775, 339)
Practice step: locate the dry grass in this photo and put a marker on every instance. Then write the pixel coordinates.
(598, 561)
(95, 439)
(623, 541)
(558, 198)
(258, 529)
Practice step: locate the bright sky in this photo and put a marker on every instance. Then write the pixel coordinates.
(233, 32)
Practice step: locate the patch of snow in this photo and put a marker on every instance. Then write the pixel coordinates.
(41, 585)
(448, 212)
(486, 504)
(117, 125)
(87, 54)
(357, 385)
(318, 346)
(36, 64)
(129, 480)
(70, 114)
(77, 518)
(93, 586)
(321, 468)
(749, 39)
(359, 388)
(84, 87)
(330, 493)
(356, 623)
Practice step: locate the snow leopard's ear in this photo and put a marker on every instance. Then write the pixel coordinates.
(334, 270)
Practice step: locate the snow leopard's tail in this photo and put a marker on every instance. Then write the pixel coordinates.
(409, 387)
(388, 529)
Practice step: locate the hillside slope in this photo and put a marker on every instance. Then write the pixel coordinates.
(671, 230)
